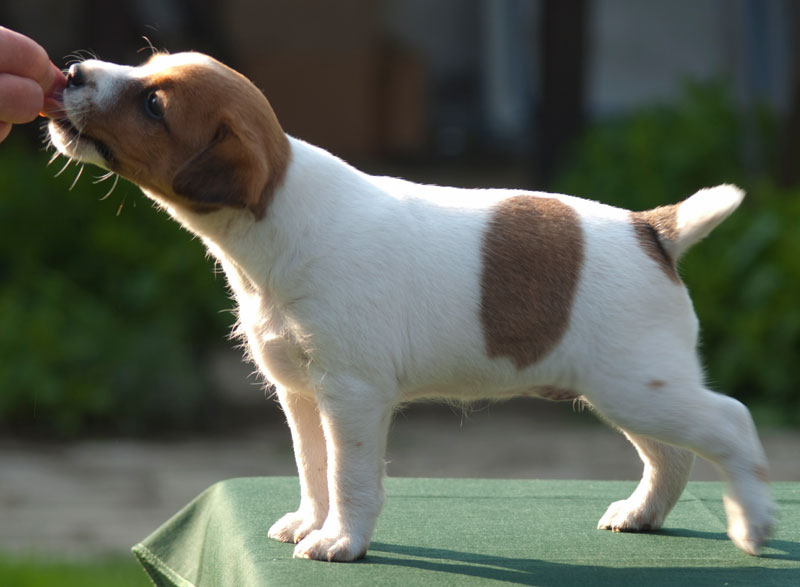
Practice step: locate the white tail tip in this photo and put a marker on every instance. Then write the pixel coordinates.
(699, 214)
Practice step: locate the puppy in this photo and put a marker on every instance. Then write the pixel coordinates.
(358, 293)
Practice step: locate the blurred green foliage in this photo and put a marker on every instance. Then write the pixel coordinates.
(43, 572)
(745, 278)
(104, 317)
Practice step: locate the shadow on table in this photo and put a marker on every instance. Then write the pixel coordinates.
(789, 551)
(540, 572)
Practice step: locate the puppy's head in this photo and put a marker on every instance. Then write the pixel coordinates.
(184, 127)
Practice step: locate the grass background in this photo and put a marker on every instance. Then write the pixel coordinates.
(29, 571)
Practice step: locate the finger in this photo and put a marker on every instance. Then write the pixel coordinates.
(57, 83)
(21, 99)
(53, 97)
(24, 57)
(5, 128)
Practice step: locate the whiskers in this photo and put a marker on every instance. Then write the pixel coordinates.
(150, 47)
(102, 178)
(106, 177)
(70, 143)
(79, 56)
(64, 168)
(57, 113)
(77, 176)
(97, 180)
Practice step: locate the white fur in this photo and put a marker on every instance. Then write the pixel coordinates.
(368, 299)
(358, 293)
(699, 214)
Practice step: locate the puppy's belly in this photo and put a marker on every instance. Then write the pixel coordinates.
(473, 392)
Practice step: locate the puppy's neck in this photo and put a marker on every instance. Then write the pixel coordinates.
(306, 199)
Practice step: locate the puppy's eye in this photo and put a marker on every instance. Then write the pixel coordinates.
(154, 104)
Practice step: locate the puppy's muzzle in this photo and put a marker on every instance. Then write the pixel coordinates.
(76, 76)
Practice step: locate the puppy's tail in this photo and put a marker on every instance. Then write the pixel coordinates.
(679, 226)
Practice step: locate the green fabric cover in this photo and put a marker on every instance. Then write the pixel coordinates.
(469, 532)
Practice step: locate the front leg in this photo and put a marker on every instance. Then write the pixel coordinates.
(309, 450)
(356, 423)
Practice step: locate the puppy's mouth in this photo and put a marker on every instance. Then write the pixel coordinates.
(74, 143)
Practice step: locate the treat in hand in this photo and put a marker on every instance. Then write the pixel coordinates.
(30, 83)
(53, 106)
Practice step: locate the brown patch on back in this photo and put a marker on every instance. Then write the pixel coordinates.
(652, 226)
(532, 255)
(762, 473)
(657, 384)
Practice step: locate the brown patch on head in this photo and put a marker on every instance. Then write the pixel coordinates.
(651, 227)
(657, 384)
(228, 173)
(532, 255)
(216, 143)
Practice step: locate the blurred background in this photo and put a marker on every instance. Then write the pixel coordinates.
(116, 376)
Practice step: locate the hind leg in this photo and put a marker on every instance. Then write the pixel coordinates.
(712, 425)
(666, 472)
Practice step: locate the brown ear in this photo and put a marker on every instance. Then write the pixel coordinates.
(220, 175)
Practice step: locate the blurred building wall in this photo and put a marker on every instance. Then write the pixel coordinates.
(367, 78)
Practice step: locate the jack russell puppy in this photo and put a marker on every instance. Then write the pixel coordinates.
(358, 293)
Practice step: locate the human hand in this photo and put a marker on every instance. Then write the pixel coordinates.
(29, 82)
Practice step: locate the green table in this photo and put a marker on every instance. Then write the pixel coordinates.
(469, 532)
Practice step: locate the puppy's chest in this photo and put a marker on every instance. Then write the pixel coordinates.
(273, 340)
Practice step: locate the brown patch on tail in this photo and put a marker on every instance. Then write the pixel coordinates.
(652, 226)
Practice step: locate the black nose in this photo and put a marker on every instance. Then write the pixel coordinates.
(76, 77)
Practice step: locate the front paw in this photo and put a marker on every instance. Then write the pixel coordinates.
(294, 526)
(325, 546)
(624, 516)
